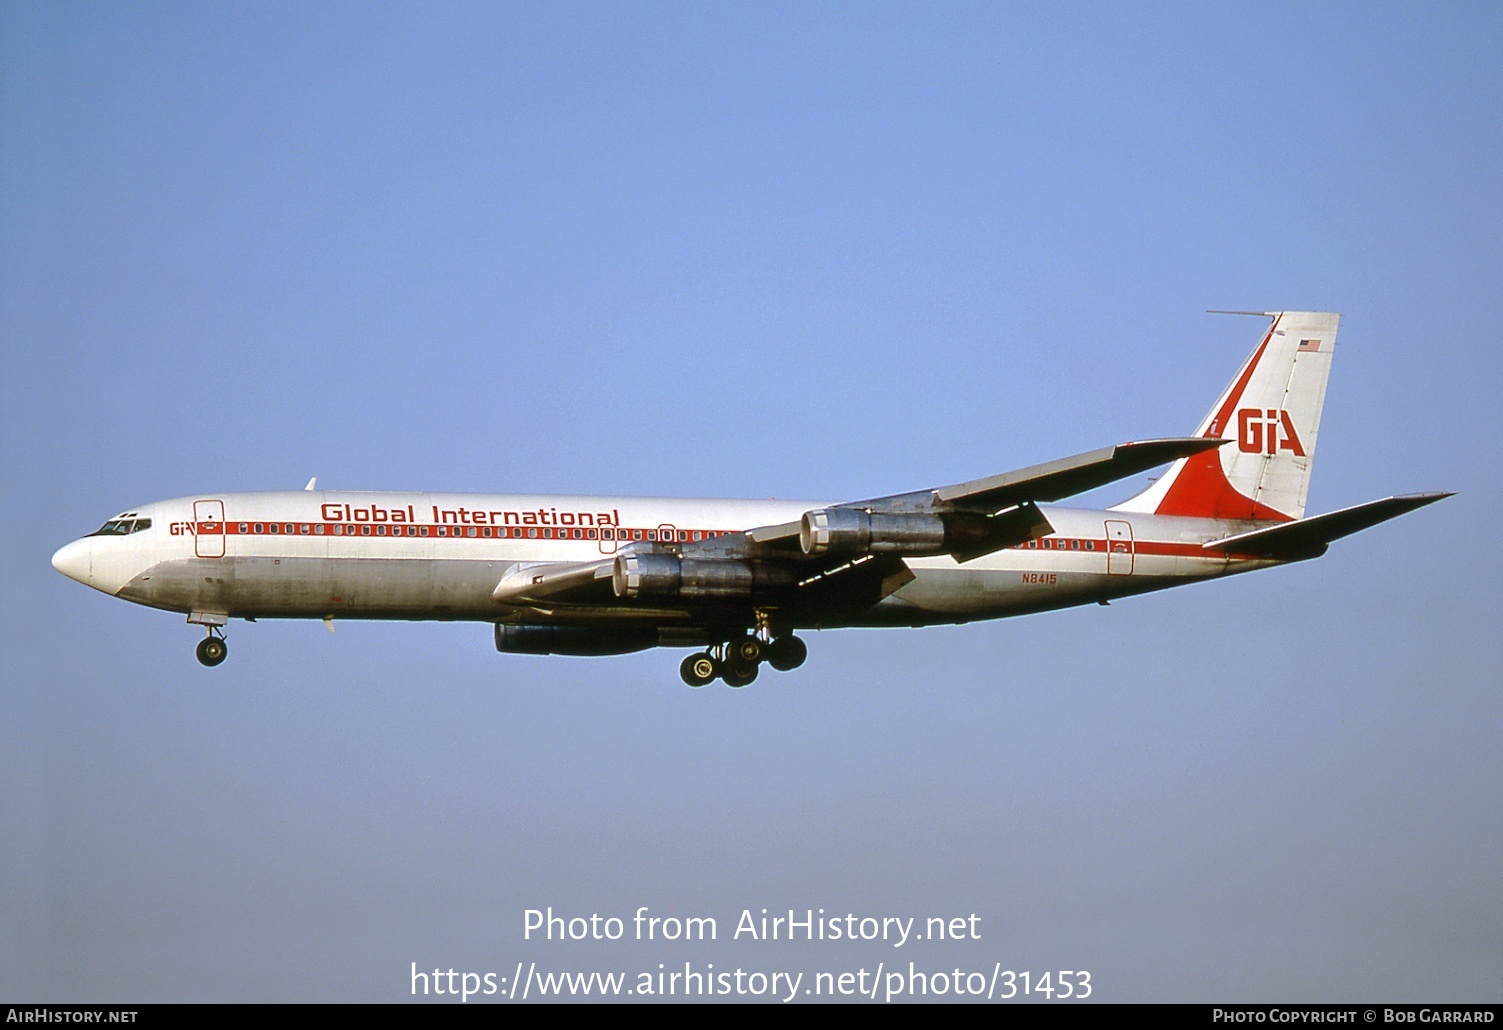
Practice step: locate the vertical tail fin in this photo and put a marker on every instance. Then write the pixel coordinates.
(1271, 413)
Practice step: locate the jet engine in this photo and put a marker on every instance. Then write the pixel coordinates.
(851, 530)
(573, 640)
(669, 577)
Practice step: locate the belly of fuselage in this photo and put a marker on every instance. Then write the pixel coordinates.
(266, 587)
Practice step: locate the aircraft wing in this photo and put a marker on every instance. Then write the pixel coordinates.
(973, 503)
(1068, 476)
(1309, 538)
(859, 546)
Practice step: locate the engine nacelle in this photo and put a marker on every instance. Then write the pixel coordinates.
(851, 530)
(573, 640)
(669, 577)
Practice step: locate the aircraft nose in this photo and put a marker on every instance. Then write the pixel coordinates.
(73, 560)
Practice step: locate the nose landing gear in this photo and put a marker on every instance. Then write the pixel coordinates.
(212, 649)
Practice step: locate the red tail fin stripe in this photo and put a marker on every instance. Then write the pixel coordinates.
(1224, 413)
(1200, 487)
(1202, 490)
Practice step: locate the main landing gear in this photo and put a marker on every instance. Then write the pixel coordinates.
(212, 649)
(736, 660)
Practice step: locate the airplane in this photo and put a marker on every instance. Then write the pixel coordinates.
(734, 579)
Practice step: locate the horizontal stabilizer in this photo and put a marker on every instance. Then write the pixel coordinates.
(1310, 537)
(1066, 477)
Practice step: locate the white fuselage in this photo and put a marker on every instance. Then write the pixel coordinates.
(319, 554)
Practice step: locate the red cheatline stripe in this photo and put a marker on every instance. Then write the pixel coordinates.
(452, 532)
(443, 531)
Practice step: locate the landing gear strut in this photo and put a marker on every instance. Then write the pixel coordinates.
(212, 649)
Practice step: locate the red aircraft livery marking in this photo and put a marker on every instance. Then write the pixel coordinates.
(1268, 431)
(1078, 546)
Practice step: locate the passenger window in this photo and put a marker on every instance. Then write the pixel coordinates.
(1074, 545)
(365, 531)
(303, 529)
(470, 532)
(259, 527)
(243, 527)
(318, 530)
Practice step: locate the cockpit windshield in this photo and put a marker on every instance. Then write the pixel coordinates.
(122, 527)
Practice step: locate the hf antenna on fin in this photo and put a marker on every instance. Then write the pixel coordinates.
(1260, 314)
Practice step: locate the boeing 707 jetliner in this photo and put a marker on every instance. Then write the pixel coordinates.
(735, 579)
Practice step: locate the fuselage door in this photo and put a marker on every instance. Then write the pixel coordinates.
(608, 539)
(1119, 548)
(208, 529)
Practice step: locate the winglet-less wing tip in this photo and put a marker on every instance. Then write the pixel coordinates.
(1175, 446)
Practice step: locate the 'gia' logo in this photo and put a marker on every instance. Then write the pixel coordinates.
(1267, 432)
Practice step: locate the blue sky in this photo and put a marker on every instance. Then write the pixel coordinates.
(748, 250)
